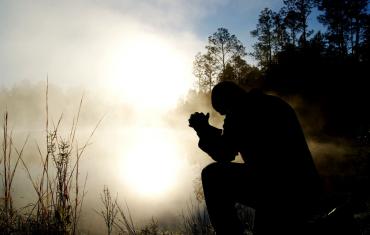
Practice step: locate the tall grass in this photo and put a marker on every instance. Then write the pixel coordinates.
(109, 211)
(124, 223)
(8, 215)
(59, 197)
(60, 192)
(60, 200)
(195, 220)
(115, 216)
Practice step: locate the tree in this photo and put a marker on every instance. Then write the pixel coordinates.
(297, 14)
(222, 49)
(241, 69)
(334, 18)
(205, 69)
(264, 34)
(281, 37)
(345, 21)
(357, 13)
(291, 23)
(364, 50)
(318, 43)
(228, 74)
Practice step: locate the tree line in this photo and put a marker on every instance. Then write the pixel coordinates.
(327, 68)
(346, 22)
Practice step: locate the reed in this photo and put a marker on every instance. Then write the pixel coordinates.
(59, 196)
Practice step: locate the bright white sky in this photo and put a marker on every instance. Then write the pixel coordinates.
(89, 42)
(82, 42)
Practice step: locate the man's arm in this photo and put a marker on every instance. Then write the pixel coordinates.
(211, 139)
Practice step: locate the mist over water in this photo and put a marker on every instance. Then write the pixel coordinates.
(128, 148)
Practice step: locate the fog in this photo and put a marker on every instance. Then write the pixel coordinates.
(112, 143)
(122, 135)
(162, 141)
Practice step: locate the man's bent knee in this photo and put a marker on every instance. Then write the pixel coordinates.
(212, 171)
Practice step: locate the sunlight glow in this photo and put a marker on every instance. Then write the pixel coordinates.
(149, 72)
(151, 166)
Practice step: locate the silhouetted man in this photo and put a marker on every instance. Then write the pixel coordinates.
(278, 177)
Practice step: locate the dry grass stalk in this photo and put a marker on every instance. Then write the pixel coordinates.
(59, 198)
(109, 211)
(124, 222)
(8, 215)
(195, 220)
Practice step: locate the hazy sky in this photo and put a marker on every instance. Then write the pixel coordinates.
(80, 42)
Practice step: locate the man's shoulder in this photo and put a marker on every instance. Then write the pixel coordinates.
(266, 100)
(256, 95)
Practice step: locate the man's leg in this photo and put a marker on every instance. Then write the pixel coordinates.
(224, 184)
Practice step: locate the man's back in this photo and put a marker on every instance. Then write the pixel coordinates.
(267, 133)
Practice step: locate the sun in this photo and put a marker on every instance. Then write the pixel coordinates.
(150, 72)
(151, 166)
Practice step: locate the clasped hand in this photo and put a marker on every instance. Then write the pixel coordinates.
(198, 121)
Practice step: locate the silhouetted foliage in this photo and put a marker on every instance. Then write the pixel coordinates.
(328, 70)
(224, 47)
(223, 60)
(345, 21)
(281, 36)
(263, 49)
(205, 70)
(109, 209)
(298, 12)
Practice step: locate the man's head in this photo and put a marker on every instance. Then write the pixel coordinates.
(225, 95)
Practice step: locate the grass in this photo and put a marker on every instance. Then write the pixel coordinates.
(58, 188)
(60, 192)
(8, 215)
(195, 220)
(109, 211)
